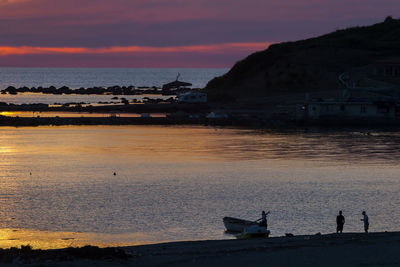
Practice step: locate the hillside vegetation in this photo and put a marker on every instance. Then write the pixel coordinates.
(308, 65)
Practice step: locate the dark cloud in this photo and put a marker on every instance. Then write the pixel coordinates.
(124, 60)
(165, 23)
(189, 32)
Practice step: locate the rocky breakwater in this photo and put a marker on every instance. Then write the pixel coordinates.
(112, 90)
(96, 90)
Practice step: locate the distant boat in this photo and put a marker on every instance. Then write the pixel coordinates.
(235, 225)
(175, 85)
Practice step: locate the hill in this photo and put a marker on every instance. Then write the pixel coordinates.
(311, 65)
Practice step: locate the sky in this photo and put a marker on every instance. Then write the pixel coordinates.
(167, 33)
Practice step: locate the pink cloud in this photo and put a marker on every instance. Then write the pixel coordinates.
(217, 48)
(103, 27)
(125, 60)
(217, 55)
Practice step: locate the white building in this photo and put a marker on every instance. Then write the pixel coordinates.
(192, 97)
(337, 110)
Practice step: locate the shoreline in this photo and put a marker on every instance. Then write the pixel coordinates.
(271, 123)
(182, 114)
(304, 250)
(347, 249)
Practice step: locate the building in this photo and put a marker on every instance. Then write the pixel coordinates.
(388, 68)
(347, 110)
(192, 97)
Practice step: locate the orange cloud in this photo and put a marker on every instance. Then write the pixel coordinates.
(9, 2)
(214, 48)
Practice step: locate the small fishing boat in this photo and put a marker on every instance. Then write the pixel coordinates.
(235, 225)
(255, 231)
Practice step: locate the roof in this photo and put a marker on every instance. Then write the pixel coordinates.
(391, 61)
(356, 102)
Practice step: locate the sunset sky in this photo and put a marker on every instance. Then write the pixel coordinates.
(166, 33)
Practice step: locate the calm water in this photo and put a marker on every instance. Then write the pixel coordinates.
(176, 183)
(32, 98)
(89, 77)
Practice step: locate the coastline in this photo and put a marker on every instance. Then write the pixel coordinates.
(271, 123)
(348, 249)
(266, 117)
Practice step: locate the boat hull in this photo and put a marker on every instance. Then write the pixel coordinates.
(256, 231)
(235, 225)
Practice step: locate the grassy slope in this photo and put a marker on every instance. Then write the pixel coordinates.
(309, 65)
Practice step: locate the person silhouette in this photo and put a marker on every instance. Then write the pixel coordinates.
(339, 222)
(365, 219)
(263, 219)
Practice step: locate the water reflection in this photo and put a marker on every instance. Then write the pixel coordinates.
(51, 114)
(170, 143)
(176, 183)
(323, 146)
(53, 240)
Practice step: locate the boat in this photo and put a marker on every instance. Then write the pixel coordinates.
(255, 231)
(235, 225)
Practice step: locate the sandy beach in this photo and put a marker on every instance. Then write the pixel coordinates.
(348, 249)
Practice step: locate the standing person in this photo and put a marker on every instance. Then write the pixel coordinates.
(263, 219)
(366, 221)
(339, 222)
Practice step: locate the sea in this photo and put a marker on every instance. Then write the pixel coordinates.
(75, 78)
(66, 186)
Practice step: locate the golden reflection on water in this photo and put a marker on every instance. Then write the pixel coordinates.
(52, 114)
(6, 148)
(192, 143)
(53, 240)
(133, 143)
(61, 179)
(6, 113)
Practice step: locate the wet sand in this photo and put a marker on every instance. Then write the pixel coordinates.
(348, 249)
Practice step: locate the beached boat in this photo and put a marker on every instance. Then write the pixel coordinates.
(255, 231)
(235, 225)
